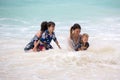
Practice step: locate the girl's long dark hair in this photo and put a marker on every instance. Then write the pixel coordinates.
(44, 26)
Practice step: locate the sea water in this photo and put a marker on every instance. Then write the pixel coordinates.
(20, 20)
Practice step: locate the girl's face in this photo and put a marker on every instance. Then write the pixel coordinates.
(51, 28)
(77, 32)
(85, 39)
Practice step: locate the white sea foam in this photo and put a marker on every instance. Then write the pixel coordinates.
(100, 62)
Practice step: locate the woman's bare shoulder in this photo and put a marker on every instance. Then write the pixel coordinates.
(68, 39)
(39, 33)
(80, 35)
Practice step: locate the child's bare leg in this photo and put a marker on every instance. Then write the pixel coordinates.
(43, 49)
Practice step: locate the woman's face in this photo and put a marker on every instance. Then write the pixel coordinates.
(77, 32)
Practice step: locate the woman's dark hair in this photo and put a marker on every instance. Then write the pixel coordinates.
(71, 29)
(51, 23)
(75, 26)
(44, 26)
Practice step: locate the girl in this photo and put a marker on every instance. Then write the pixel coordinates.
(48, 36)
(33, 42)
(84, 42)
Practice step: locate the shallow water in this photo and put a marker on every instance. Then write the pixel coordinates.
(100, 61)
(19, 21)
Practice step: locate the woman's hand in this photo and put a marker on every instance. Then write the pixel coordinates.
(82, 48)
(36, 43)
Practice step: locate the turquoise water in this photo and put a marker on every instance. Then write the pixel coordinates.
(25, 16)
(58, 10)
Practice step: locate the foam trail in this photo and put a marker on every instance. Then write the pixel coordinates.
(100, 61)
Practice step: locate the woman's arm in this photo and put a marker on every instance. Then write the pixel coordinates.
(38, 34)
(70, 44)
(84, 47)
(36, 43)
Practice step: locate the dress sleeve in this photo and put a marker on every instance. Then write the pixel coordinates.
(43, 37)
(86, 45)
(54, 37)
(35, 38)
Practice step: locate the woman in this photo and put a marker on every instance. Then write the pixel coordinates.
(37, 36)
(75, 37)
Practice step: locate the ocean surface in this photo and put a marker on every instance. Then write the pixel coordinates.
(21, 19)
